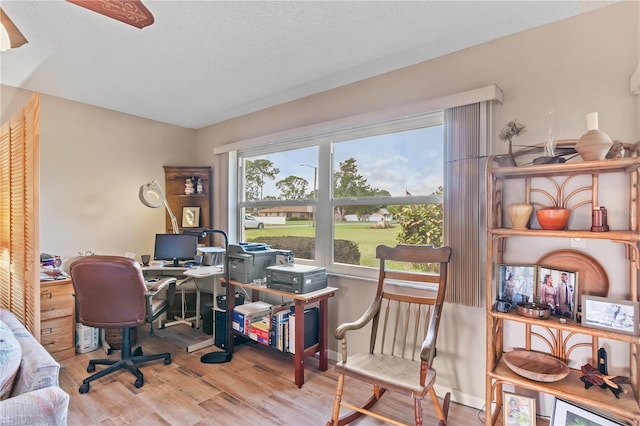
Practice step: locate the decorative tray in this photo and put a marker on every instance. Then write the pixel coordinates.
(592, 278)
(537, 366)
(533, 310)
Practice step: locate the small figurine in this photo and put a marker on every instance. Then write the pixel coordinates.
(595, 376)
(616, 151)
(188, 187)
(510, 131)
(199, 189)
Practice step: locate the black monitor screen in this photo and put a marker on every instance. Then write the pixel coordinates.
(175, 247)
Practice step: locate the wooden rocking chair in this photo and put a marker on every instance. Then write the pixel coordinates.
(404, 318)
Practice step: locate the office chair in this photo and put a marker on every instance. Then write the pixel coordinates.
(404, 318)
(111, 292)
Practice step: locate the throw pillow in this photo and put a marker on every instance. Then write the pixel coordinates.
(10, 357)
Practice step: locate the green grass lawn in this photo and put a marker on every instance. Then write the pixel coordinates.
(367, 238)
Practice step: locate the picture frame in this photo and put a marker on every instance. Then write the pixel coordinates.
(566, 413)
(516, 283)
(518, 410)
(620, 316)
(558, 289)
(190, 217)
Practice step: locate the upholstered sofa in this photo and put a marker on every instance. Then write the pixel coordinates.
(29, 391)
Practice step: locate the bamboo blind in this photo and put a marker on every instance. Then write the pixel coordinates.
(463, 201)
(19, 220)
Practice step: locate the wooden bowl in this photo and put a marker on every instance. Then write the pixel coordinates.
(555, 218)
(537, 366)
(533, 310)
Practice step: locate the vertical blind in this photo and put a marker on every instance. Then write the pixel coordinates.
(19, 220)
(465, 146)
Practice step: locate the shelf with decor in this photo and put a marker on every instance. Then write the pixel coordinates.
(561, 337)
(189, 194)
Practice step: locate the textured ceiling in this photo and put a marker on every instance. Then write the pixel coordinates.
(203, 62)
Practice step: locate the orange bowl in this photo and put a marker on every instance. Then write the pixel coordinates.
(555, 218)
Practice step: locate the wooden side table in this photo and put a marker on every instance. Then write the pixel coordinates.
(300, 301)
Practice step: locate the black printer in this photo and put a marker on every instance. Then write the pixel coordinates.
(296, 278)
(248, 261)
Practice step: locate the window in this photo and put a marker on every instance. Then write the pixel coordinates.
(333, 198)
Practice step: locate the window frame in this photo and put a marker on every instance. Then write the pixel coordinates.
(324, 204)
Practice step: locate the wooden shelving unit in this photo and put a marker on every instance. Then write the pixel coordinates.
(560, 338)
(175, 178)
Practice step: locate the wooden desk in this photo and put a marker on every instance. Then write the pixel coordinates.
(300, 301)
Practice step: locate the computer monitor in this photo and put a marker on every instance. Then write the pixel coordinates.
(175, 247)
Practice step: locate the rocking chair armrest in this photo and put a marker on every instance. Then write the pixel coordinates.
(428, 350)
(368, 315)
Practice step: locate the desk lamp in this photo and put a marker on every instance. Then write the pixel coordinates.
(225, 356)
(151, 195)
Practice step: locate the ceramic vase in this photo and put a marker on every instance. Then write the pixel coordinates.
(595, 144)
(520, 214)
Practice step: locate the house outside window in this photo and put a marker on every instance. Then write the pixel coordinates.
(334, 198)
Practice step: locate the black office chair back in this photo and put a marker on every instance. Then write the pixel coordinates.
(110, 291)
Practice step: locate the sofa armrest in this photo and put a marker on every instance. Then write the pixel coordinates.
(46, 407)
(38, 369)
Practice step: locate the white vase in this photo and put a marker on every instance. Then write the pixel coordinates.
(520, 213)
(595, 144)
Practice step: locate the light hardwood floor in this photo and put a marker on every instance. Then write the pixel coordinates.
(255, 388)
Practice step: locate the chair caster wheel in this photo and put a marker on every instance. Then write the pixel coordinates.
(109, 351)
(193, 325)
(138, 351)
(139, 382)
(91, 368)
(167, 361)
(84, 388)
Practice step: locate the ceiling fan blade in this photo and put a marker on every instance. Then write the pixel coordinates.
(131, 12)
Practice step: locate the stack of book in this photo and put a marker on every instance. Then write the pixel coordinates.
(280, 327)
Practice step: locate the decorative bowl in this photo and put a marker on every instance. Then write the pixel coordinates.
(555, 218)
(537, 366)
(533, 310)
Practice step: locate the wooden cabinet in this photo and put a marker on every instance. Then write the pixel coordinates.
(559, 337)
(57, 318)
(180, 201)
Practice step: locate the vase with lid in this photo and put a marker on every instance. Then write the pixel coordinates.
(595, 144)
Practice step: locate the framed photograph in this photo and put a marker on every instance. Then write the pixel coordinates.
(516, 283)
(620, 316)
(518, 410)
(190, 217)
(558, 289)
(566, 413)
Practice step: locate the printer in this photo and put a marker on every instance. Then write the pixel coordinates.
(249, 261)
(296, 278)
